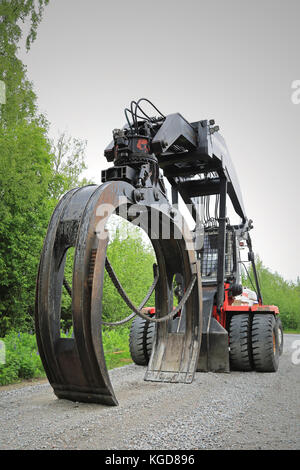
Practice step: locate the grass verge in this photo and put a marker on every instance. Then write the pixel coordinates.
(20, 359)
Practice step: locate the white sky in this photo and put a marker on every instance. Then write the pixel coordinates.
(231, 60)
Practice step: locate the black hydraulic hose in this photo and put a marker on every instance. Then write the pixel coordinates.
(136, 310)
(144, 301)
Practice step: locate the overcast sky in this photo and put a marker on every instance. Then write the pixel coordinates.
(231, 60)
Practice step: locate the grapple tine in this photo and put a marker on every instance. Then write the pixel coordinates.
(175, 353)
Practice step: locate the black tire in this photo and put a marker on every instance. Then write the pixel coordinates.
(240, 351)
(280, 335)
(265, 345)
(149, 338)
(140, 340)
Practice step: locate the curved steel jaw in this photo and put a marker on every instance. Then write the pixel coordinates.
(76, 366)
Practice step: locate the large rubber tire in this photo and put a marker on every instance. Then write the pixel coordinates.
(140, 340)
(265, 344)
(280, 335)
(149, 338)
(240, 351)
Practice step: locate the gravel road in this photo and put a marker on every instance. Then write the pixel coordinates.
(217, 411)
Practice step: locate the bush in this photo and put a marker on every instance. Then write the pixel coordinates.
(116, 346)
(22, 359)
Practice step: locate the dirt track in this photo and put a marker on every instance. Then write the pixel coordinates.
(217, 411)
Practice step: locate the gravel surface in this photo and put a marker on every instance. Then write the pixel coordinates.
(239, 410)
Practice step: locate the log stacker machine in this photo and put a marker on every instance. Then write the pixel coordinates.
(212, 328)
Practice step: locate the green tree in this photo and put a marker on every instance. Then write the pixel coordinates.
(68, 162)
(277, 291)
(14, 11)
(25, 172)
(20, 97)
(25, 169)
(32, 174)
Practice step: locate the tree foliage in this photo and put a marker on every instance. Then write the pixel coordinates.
(68, 163)
(132, 258)
(24, 177)
(277, 291)
(34, 171)
(12, 12)
(20, 97)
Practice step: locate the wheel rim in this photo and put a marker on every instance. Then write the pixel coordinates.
(274, 343)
